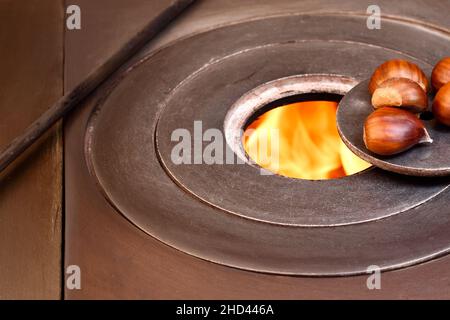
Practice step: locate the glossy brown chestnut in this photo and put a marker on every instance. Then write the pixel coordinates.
(398, 69)
(389, 131)
(400, 92)
(441, 73)
(441, 105)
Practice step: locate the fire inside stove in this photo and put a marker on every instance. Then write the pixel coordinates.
(307, 145)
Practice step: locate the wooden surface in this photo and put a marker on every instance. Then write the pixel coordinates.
(117, 260)
(31, 60)
(73, 97)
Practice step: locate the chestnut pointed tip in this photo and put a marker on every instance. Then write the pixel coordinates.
(426, 137)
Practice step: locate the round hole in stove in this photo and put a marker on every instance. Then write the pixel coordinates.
(288, 127)
(297, 137)
(242, 188)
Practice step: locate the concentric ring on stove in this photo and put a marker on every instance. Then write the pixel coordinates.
(210, 94)
(123, 160)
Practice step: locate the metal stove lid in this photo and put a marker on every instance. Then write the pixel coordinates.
(422, 160)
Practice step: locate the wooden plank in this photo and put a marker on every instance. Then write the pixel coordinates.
(31, 79)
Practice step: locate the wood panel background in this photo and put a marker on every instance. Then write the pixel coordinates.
(31, 79)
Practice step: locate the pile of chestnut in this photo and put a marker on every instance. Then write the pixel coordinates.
(399, 91)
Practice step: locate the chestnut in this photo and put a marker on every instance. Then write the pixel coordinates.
(400, 92)
(398, 69)
(441, 73)
(389, 131)
(441, 105)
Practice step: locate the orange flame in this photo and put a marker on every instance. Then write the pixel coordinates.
(303, 139)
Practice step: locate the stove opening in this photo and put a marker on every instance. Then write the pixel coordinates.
(307, 143)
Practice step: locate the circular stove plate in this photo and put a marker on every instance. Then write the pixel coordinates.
(126, 151)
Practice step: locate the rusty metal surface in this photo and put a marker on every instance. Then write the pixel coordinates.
(117, 249)
(123, 158)
(206, 14)
(260, 99)
(422, 160)
(212, 92)
(31, 79)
